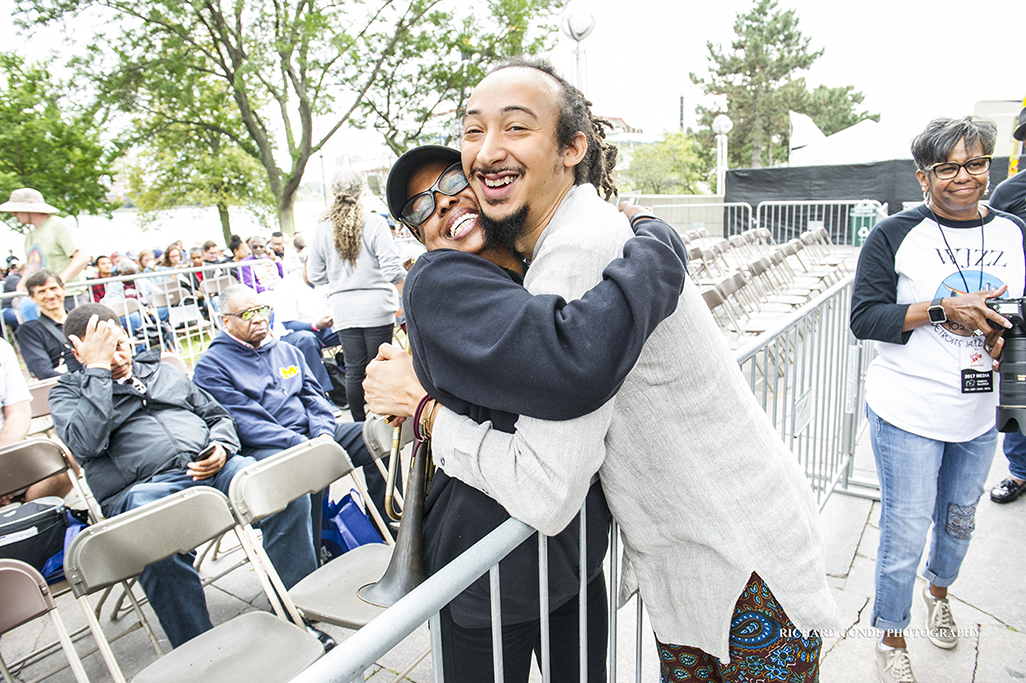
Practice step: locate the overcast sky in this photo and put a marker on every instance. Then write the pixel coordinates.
(913, 60)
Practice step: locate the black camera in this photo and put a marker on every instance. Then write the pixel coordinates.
(1011, 410)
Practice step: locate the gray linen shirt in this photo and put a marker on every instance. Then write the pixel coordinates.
(702, 487)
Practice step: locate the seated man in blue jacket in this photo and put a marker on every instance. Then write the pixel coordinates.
(135, 426)
(270, 391)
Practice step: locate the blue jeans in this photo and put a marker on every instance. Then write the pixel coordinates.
(1015, 451)
(173, 586)
(10, 319)
(923, 482)
(327, 336)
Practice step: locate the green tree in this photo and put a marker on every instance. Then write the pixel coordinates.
(670, 166)
(294, 70)
(757, 81)
(179, 162)
(834, 109)
(182, 165)
(423, 88)
(49, 144)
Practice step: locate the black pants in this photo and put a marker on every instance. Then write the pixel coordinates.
(467, 652)
(359, 347)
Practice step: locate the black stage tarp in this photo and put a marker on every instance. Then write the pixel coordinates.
(891, 182)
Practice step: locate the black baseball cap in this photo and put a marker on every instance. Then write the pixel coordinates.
(1020, 132)
(403, 169)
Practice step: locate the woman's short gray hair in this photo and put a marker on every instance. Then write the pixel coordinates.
(939, 138)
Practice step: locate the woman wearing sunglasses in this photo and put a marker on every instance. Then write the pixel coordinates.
(924, 277)
(352, 252)
(429, 193)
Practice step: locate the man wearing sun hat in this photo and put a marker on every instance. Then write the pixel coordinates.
(48, 240)
(1010, 197)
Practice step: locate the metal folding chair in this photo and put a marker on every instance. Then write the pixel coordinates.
(329, 593)
(25, 597)
(254, 646)
(40, 405)
(33, 460)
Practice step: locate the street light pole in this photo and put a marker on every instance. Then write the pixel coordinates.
(577, 26)
(324, 181)
(721, 125)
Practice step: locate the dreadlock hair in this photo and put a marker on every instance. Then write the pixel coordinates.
(346, 213)
(575, 117)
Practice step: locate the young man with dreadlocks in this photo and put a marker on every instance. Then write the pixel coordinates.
(353, 253)
(714, 510)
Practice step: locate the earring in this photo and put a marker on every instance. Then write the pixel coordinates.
(926, 196)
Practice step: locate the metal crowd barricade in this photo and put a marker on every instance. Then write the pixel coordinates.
(717, 219)
(787, 220)
(174, 300)
(807, 375)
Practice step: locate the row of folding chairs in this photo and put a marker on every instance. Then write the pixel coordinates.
(23, 589)
(763, 293)
(253, 646)
(716, 257)
(36, 459)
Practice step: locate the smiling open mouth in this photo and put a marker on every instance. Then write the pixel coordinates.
(498, 182)
(463, 225)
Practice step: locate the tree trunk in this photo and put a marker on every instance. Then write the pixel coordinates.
(757, 132)
(226, 228)
(287, 216)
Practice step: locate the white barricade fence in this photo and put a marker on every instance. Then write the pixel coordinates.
(847, 221)
(807, 374)
(710, 220)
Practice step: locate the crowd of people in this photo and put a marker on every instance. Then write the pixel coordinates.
(570, 385)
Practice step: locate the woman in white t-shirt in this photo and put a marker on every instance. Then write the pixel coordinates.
(923, 280)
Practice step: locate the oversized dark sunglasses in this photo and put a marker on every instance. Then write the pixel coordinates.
(420, 206)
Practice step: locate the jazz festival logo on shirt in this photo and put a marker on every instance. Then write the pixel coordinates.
(290, 371)
(954, 285)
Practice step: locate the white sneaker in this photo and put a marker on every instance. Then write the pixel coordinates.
(893, 665)
(940, 626)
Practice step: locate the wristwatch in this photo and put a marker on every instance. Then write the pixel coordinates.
(936, 311)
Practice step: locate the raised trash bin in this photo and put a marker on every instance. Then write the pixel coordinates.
(863, 219)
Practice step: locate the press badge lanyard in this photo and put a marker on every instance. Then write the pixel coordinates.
(977, 375)
(951, 254)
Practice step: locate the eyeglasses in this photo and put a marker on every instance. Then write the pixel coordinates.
(946, 170)
(247, 315)
(420, 206)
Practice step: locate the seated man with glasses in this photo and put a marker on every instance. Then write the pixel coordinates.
(141, 430)
(269, 390)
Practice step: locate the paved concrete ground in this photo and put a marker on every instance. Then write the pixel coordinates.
(988, 601)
